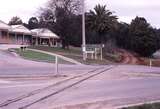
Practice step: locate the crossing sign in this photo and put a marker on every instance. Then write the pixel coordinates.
(93, 49)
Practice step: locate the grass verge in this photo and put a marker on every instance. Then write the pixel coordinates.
(37, 56)
(73, 53)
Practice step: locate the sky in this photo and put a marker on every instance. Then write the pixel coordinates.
(126, 10)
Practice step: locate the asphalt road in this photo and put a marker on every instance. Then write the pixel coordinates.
(125, 84)
(13, 65)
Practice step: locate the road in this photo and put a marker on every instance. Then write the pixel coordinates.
(116, 86)
(13, 65)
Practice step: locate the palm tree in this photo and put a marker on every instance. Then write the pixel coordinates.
(101, 21)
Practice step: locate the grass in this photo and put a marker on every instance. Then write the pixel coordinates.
(73, 53)
(76, 54)
(146, 106)
(29, 54)
(37, 56)
(72, 50)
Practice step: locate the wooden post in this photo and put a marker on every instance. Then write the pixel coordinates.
(40, 41)
(56, 43)
(31, 40)
(53, 42)
(23, 39)
(36, 41)
(8, 37)
(50, 42)
(15, 38)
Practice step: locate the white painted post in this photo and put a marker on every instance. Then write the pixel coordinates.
(92, 55)
(150, 62)
(101, 54)
(56, 66)
(95, 53)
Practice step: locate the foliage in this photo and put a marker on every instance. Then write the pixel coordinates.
(142, 37)
(15, 21)
(62, 26)
(33, 23)
(63, 17)
(101, 20)
(60, 17)
(70, 6)
(47, 19)
(122, 35)
(139, 37)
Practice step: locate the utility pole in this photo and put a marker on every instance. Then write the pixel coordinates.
(83, 31)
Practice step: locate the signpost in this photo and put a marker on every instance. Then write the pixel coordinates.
(94, 49)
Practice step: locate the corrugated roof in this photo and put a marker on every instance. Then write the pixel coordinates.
(20, 29)
(44, 33)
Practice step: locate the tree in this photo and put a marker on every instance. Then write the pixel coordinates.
(61, 15)
(15, 21)
(70, 6)
(33, 23)
(142, 37)
(101, 20)
(47, 19)
(62, 23)
(122, 35)
(69, 27)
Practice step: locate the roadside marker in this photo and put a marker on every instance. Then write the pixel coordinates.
(56, 65)
(150, 62)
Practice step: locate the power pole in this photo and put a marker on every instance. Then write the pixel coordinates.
(83, 31)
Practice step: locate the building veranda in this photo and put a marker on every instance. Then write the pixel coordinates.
(20, 35)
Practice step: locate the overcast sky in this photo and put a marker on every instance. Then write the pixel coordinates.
(126, 10)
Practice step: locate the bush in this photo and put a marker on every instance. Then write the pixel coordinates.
(142, 37)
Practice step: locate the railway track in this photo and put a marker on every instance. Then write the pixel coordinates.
(36, 96)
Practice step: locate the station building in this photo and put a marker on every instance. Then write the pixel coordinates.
(20, 35)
